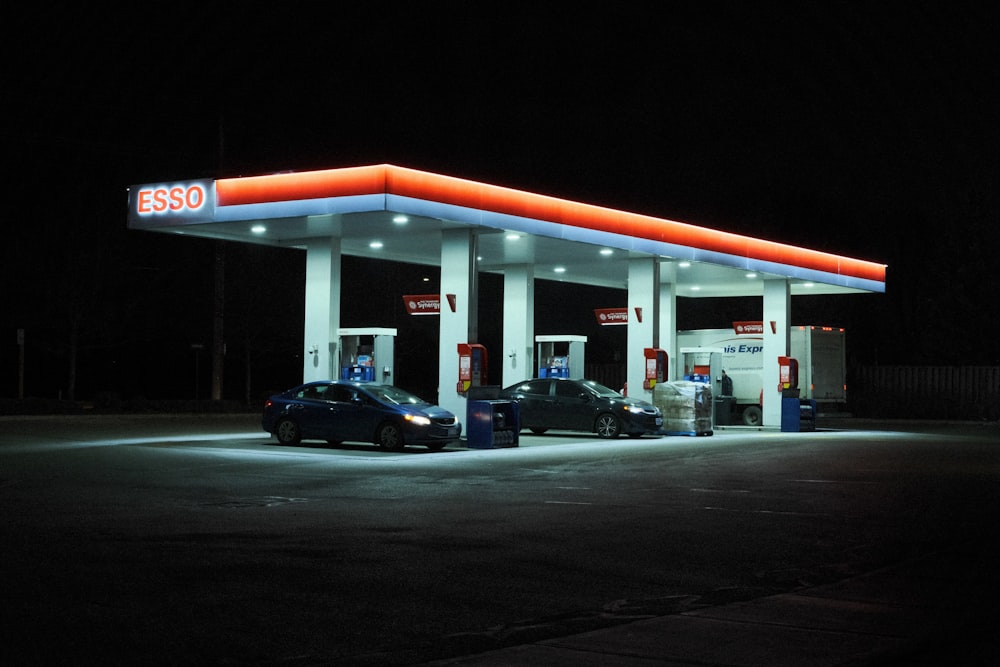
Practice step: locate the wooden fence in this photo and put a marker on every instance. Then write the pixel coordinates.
(925, 392)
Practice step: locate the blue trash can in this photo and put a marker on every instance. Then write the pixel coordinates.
(791, 418)
(492, 423)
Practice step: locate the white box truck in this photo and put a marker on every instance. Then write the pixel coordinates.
(820, 352)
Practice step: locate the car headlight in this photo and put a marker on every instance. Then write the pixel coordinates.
(418, 420)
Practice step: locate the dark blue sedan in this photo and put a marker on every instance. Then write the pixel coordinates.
(341, 411)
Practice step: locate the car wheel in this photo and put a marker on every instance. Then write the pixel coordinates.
(752, 416)
(608, 426)
(389, 437)
(538, 431)
(288, 432)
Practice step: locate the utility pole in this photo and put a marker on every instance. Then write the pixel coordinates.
(20, 364)
(219, 300)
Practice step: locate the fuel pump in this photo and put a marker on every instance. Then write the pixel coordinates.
(367, 354)
(473, 366)
(702, 364)
(796, 414)
(699, 362)
(561, 356)
(656, 366)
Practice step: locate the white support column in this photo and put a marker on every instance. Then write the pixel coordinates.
(320, 359)
(518, 324)
(777, 316)
(668, 316)
(458, 265)
(643, 304)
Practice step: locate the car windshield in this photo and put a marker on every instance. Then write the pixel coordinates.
(395, 395)
(599, 388)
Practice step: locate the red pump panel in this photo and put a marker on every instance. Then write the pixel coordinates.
(656, 366)
(788, 373)
(472, 366)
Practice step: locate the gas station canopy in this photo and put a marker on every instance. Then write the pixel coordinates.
(399, 214)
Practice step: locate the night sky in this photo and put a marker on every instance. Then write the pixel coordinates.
(865, 129)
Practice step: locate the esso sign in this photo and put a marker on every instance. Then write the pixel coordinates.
(168, 204)
(182, 198)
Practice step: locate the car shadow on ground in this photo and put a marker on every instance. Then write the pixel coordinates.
(581, 435)
(369, 448)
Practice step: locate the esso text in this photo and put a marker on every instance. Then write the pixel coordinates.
(171, 199)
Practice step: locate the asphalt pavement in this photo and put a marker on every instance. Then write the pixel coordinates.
(939, 609)
(936, 607)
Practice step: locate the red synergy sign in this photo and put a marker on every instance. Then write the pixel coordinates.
(748, 327)
(611, 316)
(422, 304)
